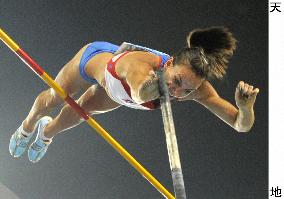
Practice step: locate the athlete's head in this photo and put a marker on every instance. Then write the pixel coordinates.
(206, 57)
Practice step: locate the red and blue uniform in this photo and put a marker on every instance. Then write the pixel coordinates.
(117, 88)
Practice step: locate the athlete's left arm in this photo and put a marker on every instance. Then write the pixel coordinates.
(240, 119)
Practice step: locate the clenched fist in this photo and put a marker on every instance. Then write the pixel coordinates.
(245, 95)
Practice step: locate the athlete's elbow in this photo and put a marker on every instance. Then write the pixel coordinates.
(243, 129)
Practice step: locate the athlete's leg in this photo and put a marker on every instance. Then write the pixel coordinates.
(94, 101)
(69, 79)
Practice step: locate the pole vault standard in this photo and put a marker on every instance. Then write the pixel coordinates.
(47, 79)
(171, 138)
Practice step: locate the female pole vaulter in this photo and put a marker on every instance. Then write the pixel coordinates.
(110, 80)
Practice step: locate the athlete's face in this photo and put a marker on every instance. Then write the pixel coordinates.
(181, 79)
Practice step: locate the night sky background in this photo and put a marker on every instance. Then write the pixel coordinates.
(217, 161)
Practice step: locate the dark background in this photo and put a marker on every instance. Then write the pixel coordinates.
(217, 161)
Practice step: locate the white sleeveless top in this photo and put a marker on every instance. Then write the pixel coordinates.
(119, 90)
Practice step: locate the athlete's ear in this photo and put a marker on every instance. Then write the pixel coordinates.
(169, 63)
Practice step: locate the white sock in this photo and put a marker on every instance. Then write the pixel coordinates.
(24, 133)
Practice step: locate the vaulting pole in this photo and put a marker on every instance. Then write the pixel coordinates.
(47, 79)
(171, 138)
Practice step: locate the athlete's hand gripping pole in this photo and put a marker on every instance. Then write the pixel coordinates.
(47, 79)
(171, 138)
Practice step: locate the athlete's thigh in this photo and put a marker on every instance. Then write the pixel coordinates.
(95, 100)
(69, 77)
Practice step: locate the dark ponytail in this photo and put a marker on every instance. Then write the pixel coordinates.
(216, 46)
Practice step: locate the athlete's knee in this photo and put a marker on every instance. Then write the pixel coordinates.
(52, 98)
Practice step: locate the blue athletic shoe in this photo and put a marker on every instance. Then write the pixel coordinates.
(39, 147)
(18, 142)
